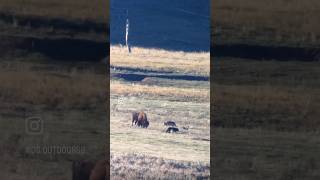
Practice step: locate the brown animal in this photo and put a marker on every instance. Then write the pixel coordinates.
(143, 120)
(140, 119)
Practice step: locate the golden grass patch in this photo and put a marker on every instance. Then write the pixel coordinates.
(137, 89)
(161, 60)
(53, 89)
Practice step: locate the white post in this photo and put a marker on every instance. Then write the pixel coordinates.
(127, 34)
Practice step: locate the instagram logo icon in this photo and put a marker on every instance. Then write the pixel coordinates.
(34, 125)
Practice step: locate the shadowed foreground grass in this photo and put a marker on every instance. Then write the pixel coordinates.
(135, 166)
(261, 154)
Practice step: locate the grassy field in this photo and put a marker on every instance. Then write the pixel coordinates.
(133, 166)
(162, 99)
(265, 119)
(73, 114)
(176, 61)
(242, 153)
(53, 86)
(51, 70)
(265, 115)
(269, 94)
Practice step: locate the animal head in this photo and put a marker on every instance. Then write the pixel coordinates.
(142, 116)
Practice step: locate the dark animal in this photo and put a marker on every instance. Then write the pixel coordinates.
(99, 172)
(143, 120)
(81, 170)
(88, 170)
(145, 124)
(140, 119)
(135, 116)
(169, 123)
(172, 130)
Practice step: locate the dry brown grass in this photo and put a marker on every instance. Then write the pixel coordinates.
(94, 10)
(135, 166)
(57, 89)
(261, 154)
(161, 60)
(266, 94)
(265, 118)
(119, 88)
(71, 102)
(277, 108)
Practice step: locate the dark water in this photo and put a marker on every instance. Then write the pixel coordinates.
(180, 25)
(266, 52)
(140, 77)
(61, 49)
